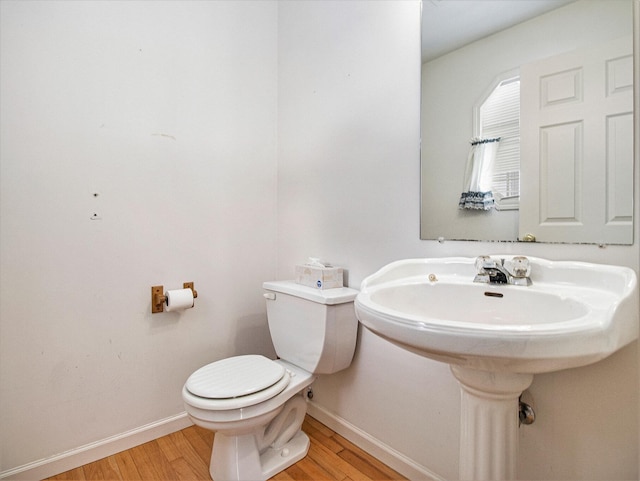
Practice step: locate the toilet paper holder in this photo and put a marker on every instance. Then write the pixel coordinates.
(158, 298)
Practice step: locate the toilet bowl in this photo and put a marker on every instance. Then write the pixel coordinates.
(257, 438)
(256, 405)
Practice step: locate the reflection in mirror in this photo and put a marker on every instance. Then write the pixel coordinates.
(564, 173)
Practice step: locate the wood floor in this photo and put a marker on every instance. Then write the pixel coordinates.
(185, 455)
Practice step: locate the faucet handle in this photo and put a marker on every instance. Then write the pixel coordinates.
(484, 262)
(519, 266)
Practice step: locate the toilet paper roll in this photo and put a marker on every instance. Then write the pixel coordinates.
(178, 300)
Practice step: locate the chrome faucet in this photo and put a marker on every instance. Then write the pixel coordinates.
(496, 271)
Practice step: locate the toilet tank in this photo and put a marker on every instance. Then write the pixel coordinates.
(315, 329)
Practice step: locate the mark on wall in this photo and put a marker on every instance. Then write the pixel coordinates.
(164, 135)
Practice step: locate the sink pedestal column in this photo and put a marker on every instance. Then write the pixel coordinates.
(489, 423)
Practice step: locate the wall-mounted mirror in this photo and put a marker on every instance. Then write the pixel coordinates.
(563, 172)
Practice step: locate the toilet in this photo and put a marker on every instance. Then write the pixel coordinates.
(257, 405)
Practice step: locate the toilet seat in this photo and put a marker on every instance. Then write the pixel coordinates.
(237, 382)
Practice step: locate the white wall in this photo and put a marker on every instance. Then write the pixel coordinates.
(168, 111)
(349, 190)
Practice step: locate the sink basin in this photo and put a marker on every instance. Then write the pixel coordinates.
(573, 314)
(497, 336)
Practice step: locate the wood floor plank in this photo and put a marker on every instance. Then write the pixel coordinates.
(297, 473)
(328, 461)
(368, 459)
(205, 434)
(92, 472)
(321, 437)
(75, 474)
(168, 448)
(127, 466)
(109, 468)
(184, 470)
(309, 421)
(143, 463)
(199, 445)
(190, 455)
(361, 464)
(160, 463)
(315, 471)
(283, 476)
(324, 456)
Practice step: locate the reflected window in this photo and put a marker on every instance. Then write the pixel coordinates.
(498, 115)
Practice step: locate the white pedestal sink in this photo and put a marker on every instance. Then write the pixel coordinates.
(496, 337)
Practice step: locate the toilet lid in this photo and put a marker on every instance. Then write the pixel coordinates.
(235, 377)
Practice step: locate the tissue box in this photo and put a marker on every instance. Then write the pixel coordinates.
(319, 277)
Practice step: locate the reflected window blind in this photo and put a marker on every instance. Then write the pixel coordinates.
(500, 117)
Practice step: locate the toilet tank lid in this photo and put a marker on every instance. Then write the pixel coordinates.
(338, 295)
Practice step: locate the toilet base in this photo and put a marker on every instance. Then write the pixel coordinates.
(259, 455)
(255, 467)
(276, 460)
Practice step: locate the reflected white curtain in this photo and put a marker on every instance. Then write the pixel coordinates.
(476, 190)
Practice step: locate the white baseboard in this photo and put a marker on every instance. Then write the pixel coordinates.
(88, 453)
(371, 445)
